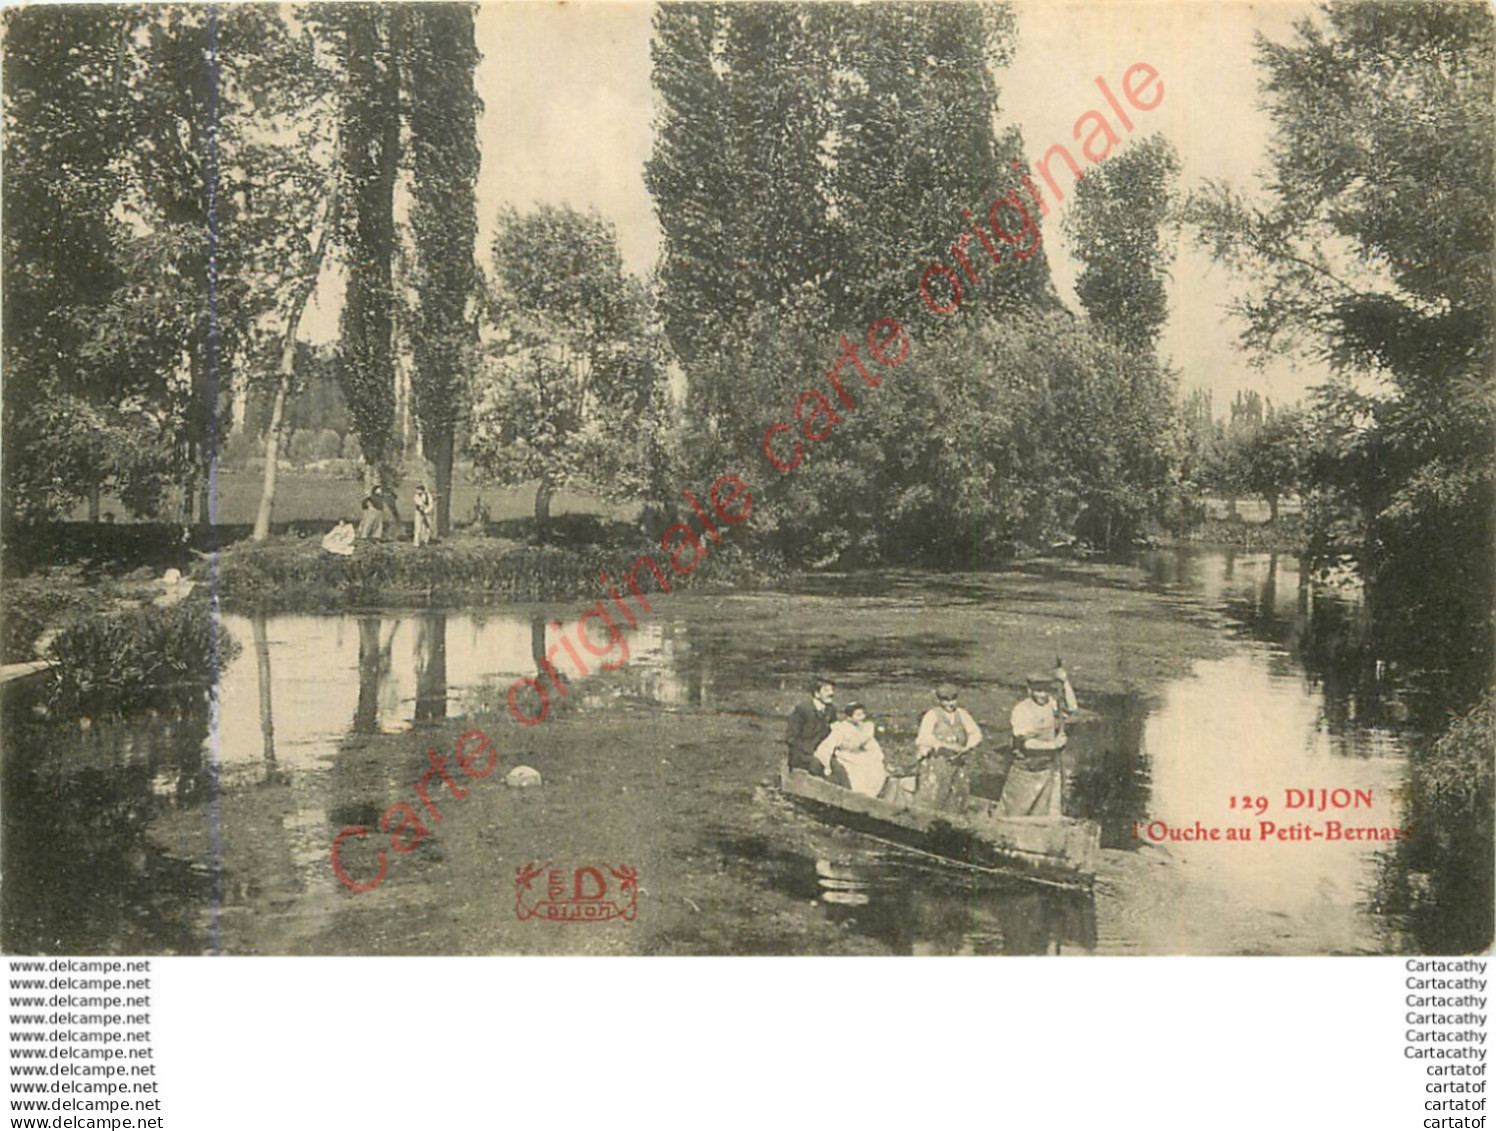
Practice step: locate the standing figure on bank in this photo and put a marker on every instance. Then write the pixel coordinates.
(947, 734)
(851, 754)
(808, 727)
(1035, 785)
(424, 508)
(371, 517)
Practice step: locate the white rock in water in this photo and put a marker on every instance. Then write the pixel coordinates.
(522, 777)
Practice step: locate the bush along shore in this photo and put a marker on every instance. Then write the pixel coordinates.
(292, 574)
(1286, 536)
(166, 659)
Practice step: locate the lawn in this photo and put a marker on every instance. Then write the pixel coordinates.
(302, 496)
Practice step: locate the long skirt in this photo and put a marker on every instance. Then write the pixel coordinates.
(1032, 792)
(859, 770)
(943, 783)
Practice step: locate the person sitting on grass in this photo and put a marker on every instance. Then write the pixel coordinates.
(851, 754)
(339, 540)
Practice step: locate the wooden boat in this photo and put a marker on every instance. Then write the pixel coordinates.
(1057, 851)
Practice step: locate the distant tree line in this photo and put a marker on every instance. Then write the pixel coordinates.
(1258, 450)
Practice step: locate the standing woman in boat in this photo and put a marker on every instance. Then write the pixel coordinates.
(851, 754)
(1035, 782)
(946, 734)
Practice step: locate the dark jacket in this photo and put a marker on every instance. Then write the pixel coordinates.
(807, 727)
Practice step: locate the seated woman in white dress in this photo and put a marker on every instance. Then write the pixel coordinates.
(851, 753)
(339, 540)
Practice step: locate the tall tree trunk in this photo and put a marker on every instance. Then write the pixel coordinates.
(207, 502)
(543, 491)
(389, 173)
(369, 160)
(93, 503)
(441, 56)
(1272, 509)
(189, 487)
(288, 369)
(441, 457)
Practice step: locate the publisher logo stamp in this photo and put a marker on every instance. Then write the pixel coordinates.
(583, 895)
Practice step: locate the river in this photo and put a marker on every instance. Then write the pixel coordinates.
(1218, 683)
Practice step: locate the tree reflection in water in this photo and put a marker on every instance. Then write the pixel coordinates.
(431, 668)
(373, 668)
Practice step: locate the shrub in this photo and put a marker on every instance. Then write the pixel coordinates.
(18, 634)
(303, 447)
(241, 447)
(31, 605)
(164, 658)
(327, 445)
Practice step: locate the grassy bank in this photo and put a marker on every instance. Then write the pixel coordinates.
(310, 497)
(289, 574)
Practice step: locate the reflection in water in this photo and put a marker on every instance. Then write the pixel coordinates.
(933, 910)
(267, 708)
(373, 662)
(431, 668)
(96, 848)
(81, 875)
(908, 904)
(1106, 773)
(1339, 702)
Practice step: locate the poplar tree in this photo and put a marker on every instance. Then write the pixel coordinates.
(443, 156)
(1116, 225)
(810, 161)
(370, 42)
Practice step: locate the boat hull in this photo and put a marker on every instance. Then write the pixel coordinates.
(1059, 851)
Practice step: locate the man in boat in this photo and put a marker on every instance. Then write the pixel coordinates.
(1035, 782)
(947, 733)
(809, 725)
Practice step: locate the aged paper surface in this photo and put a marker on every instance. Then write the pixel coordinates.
(747, 479)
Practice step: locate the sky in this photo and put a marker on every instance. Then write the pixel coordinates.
(568, 119)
